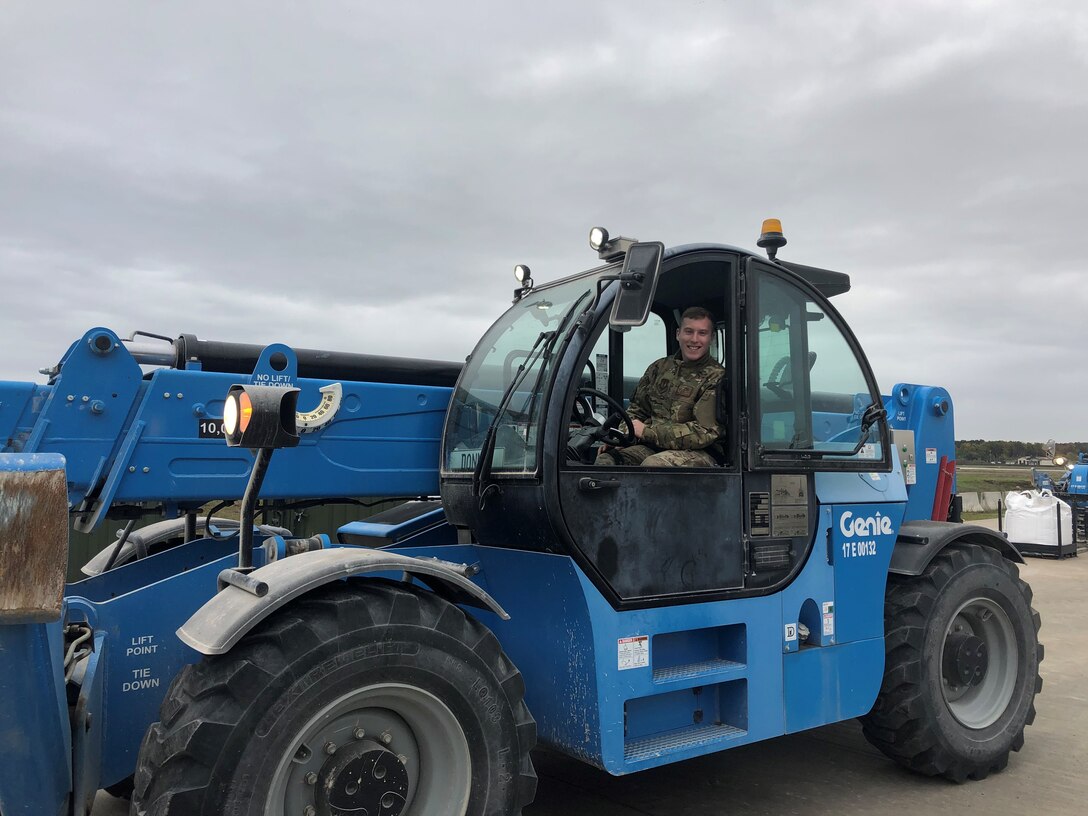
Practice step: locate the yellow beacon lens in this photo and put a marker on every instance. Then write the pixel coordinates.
(771, 238)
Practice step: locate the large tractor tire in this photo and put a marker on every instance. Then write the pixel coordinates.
(961, 667)
(368, 698)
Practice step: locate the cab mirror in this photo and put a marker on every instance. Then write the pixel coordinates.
(638, 282)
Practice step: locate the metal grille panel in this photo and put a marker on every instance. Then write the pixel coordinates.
(657, 744)
(694, 669)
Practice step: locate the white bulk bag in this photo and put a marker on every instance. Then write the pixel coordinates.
(1031, 517)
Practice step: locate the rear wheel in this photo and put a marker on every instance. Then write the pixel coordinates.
(370, 698)
(962, 666)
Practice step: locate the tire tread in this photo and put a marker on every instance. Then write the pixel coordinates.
(900, 724)
(179, 754)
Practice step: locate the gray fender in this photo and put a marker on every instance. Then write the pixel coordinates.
(226, 618)
(919, 541)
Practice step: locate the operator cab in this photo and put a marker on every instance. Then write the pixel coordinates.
(557, 370)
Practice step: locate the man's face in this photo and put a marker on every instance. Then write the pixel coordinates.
(694, 337)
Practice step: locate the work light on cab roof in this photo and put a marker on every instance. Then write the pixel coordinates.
(771, 237)
(523, 276)
(609, 249)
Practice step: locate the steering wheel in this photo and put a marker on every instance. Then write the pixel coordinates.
(782, 375)
(779, 372)
(607, 431)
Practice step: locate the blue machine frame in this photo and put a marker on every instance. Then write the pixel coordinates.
(640, 687)
(130, 438)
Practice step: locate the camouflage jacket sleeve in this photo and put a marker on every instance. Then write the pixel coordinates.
(700, 432)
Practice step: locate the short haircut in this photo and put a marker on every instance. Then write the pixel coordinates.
(697, 313)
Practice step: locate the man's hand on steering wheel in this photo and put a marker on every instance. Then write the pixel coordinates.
(608, 431)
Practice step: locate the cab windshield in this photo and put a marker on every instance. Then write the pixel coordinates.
(505, 379)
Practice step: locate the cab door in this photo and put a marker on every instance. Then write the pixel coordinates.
(651, 536)
(812, 405)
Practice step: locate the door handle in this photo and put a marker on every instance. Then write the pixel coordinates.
(591, 483)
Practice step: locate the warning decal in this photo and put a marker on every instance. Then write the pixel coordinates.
(634, 652)
(829, 618)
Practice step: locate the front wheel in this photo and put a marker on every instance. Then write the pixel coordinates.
(961, 666)
(368, 698)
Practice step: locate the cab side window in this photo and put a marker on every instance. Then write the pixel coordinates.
(782, 348)
(812, 389)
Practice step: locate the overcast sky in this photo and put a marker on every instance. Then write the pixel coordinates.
(363, 176)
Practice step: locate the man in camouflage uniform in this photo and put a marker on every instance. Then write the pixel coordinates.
(673, 404)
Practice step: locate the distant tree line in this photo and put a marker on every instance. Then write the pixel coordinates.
(984, 451)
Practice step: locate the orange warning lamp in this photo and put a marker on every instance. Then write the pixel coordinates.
(771, 237)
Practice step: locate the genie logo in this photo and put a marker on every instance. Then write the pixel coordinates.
(852, 525)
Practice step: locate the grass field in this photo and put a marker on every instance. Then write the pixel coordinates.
(978, 479)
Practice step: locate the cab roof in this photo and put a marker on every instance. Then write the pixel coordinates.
(826, 281)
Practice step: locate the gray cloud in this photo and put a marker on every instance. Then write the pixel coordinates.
(363, 177)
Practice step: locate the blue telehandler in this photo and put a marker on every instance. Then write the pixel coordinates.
(1072, 488)
(406, 664)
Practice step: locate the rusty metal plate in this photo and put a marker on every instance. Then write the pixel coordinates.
(33, 537)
